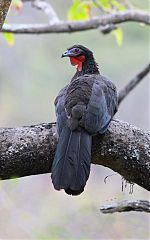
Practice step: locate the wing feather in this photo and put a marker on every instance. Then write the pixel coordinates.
(102, 105)
(60, 110)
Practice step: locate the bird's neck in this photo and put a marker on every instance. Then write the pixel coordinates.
(88, 67)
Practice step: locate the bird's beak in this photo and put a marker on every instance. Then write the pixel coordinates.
(67, 53)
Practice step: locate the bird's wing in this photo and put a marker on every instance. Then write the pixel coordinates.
(60, 110)
(102, 105)
(112, 99)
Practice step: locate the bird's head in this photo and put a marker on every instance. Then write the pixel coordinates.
(78, 55)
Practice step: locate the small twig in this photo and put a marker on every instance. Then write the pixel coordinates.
(105, 29)
(99, 6)
(133, 83)
(128, 4)
(108, 28)
(127, 206)
(108, 177)
(47, 9)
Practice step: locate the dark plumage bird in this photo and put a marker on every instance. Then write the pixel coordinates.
(84, 107)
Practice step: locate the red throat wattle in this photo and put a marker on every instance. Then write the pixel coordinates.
(77, 61)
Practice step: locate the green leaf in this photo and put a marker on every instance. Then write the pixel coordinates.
(118, 33)
(9, 37)
(80, 10)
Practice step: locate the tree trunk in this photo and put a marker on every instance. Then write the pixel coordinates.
(4, 6)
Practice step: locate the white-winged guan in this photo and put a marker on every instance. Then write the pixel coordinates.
(84, 108)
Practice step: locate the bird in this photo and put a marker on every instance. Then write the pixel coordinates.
(84, 108)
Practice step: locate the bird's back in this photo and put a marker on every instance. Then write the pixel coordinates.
(78, 92)
(90, 94)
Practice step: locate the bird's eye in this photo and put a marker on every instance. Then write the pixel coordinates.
(76, 50)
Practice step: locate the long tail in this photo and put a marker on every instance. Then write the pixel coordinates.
(71, 165)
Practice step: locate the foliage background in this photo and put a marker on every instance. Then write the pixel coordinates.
(31, 74)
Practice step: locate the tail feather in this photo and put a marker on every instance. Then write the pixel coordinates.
(71, 165)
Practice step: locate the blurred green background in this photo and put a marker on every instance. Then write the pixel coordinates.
(31, 74)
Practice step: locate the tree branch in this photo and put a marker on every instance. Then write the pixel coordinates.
(69, 27)
(133, 83)
(47, 9)
(4, 6)
(127, 206)
(30, 150)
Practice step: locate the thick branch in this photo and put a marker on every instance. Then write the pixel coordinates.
(4, 6)
(69, 27)
(133, 83)
(127, 206)
(30, 150)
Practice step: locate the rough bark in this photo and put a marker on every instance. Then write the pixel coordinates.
(127, 206)
(30, 150)
(4, 6)
(75, 26)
